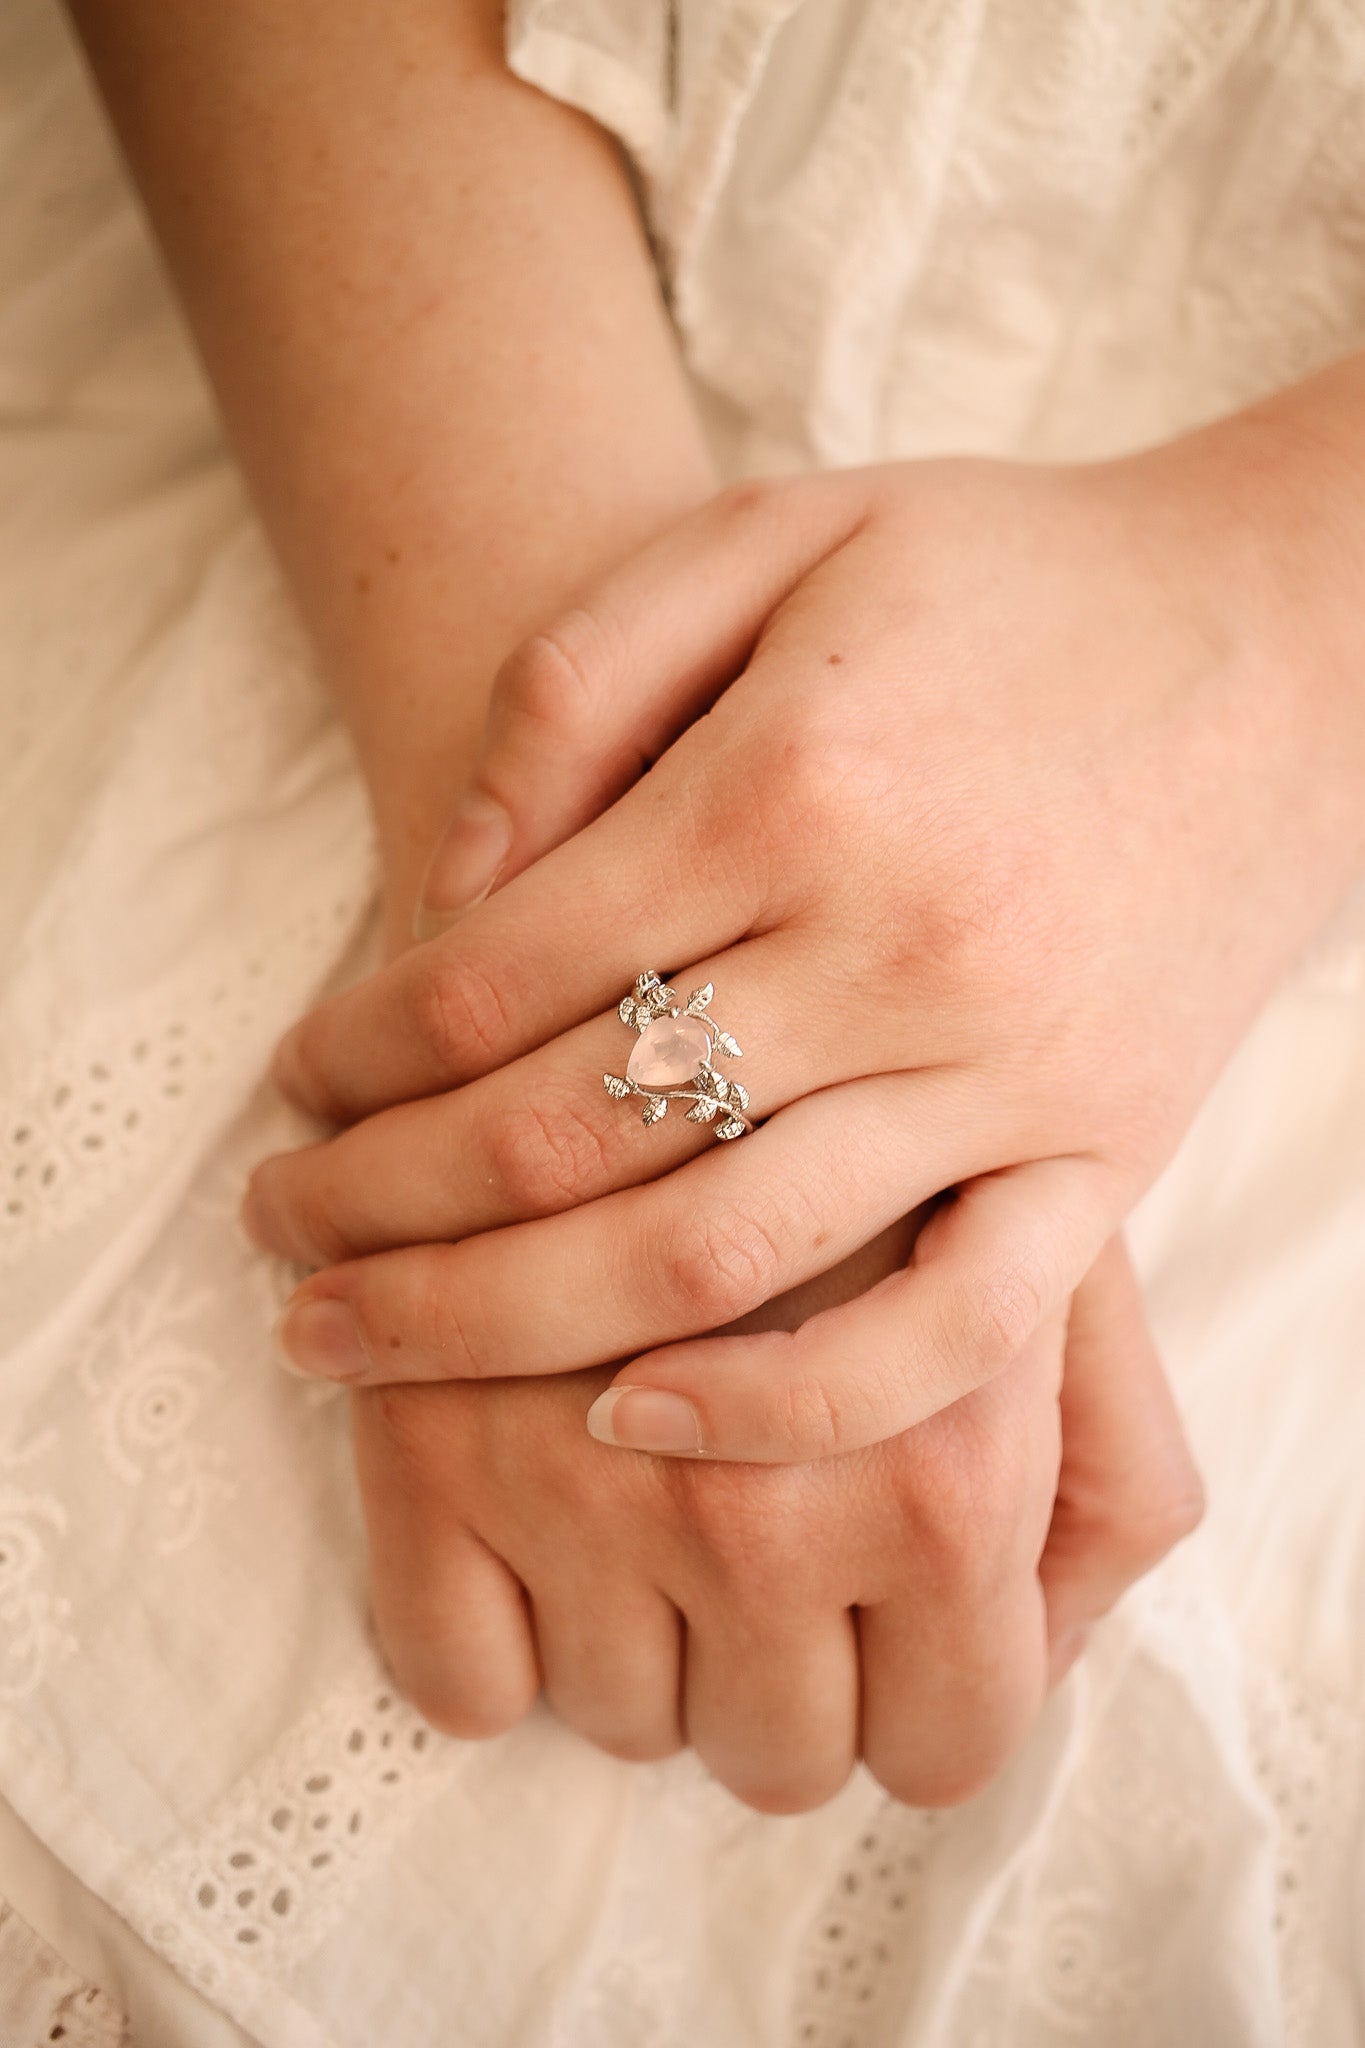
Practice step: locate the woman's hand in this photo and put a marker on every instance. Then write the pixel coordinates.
(1029, 786)
(892, 1603)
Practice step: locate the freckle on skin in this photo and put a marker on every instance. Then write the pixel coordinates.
(392, 555)
(361, 583)
(835, 660)
(393, 1343)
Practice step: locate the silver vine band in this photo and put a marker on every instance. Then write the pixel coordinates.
(672, 1058)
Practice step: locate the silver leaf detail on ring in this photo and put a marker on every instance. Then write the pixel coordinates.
(673, 1058)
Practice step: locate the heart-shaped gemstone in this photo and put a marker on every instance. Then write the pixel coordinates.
(667, 1052)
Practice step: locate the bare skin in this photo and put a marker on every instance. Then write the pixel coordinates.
(447, 435)
(1032, 786)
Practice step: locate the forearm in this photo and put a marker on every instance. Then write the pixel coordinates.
(1284, 482)
(424, 299)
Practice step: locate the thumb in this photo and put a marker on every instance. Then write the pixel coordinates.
(582, 708)
(988, 1271)
(1128, 1489)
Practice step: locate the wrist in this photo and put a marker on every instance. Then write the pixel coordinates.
(1257, 525)
(1297, 474)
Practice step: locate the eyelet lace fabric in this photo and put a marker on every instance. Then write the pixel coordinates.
(193, 1716)
(43, 2003)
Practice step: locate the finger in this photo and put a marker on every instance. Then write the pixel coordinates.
(954, 1657)
(771, 1695)
(1129, 1488)
(724, 1233)
(543, 1134)
(450, 1615)
(581, 708)
(986, 1272)
(639, 887)
(611, 1650)
(950, 1692)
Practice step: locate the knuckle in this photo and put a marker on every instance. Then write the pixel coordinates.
(934, 1782)
(402, 1427)
(1138, 1531)
(808, 1419)
(639, 1745)
(718, 1265)
(627, 1743)
(826, 768)
(301, 1074)
(998, 1314)
(748, 498)
(313, 1226)
(471, 1704)
(459, 1013)
(750, 1522)
(559, 677)
(418, 1322)
(800, 1788)
(963, 1750)
(545, 1157)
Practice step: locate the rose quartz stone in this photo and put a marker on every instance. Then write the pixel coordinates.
(667, 1051)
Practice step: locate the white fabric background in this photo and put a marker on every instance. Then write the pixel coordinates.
(887, 228)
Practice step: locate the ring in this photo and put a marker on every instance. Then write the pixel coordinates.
(671, 1060)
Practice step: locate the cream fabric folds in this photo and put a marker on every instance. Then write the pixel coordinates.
(888, 228)
(1053, 227)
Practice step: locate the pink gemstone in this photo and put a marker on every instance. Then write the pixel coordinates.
(667, 1051)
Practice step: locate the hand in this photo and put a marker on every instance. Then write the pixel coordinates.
(776, 1619)
(983, 851)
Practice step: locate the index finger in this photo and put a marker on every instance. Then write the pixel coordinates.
(559, 944)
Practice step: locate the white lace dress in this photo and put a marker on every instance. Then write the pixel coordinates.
(1054, 227)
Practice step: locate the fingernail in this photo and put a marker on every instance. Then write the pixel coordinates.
(645, 1419)
(284, 1065)
(465, 865)
(322, 1340)
(251, 1217)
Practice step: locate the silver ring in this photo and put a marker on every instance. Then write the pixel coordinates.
(672, 1058)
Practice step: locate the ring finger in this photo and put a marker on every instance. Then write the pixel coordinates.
(543, 1134)
(683, 1255)
(772, 1700)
